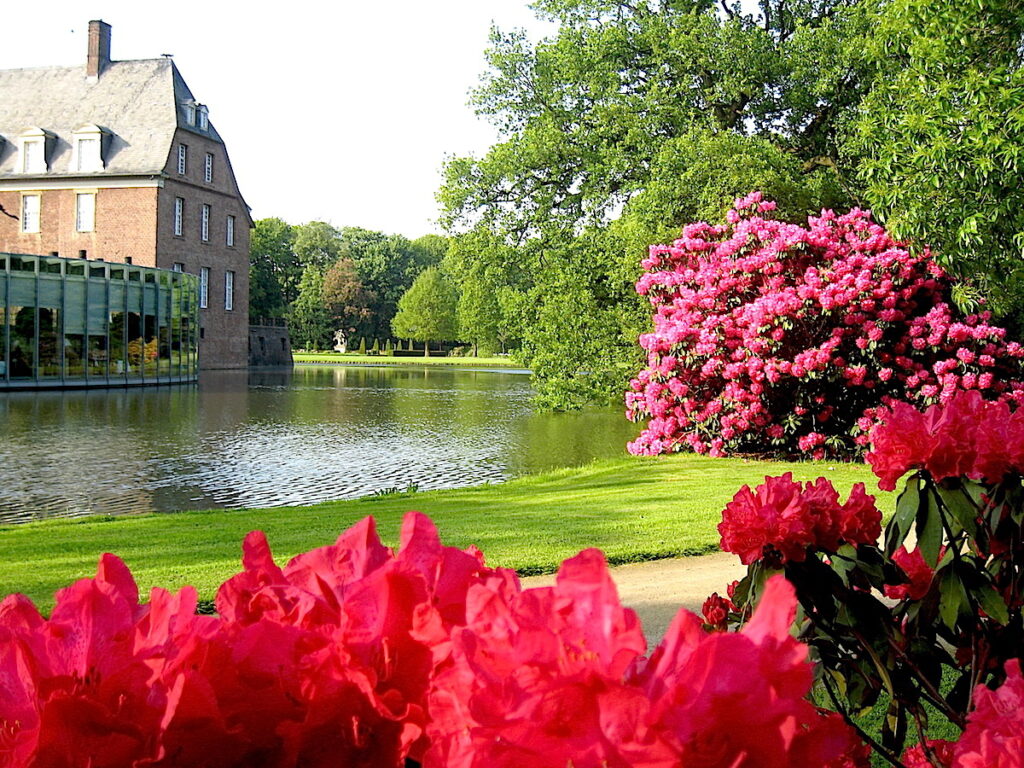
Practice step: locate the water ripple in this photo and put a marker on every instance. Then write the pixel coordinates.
(281, 439)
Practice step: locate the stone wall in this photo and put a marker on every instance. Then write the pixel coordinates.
(269, 345)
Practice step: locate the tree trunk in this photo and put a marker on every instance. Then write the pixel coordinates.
(426, 349)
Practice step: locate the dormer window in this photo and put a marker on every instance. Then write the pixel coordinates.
(190, 113)
(88, 149)
(33, 160)
(33, 150)
(204, 118)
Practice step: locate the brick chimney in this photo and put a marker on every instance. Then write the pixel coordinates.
(99, 48)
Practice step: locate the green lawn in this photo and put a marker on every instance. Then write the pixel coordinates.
(633, 508)
(356, 359)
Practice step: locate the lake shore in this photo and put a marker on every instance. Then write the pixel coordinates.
(635, 509)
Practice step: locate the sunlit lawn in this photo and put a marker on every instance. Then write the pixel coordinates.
(357, 359)
(632, 508)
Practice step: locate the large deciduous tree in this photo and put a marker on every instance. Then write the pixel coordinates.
(940, 138)
(647, 115)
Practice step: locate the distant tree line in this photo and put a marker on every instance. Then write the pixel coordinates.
(371, 286)
(323, 278)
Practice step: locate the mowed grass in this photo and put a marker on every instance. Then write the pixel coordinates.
(632, 508)
(337, 358)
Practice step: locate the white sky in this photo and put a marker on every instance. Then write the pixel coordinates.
(340, 111)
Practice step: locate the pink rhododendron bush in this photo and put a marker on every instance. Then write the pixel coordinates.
(929, 620)
(354, 655)
(775, 338)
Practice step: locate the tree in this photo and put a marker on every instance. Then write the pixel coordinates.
(633, 119)
(318, 243)
(348, 303)
(426, 312)
(940, 137)
(274, 270)
(478, 313)
(309, 321)
(387, 265)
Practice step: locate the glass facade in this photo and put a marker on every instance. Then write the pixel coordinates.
(78, 323)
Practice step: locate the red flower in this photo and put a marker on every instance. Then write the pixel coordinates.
(965, 437)
(915, 756)
(545, 679)
(899, 443)
(919, 576)
(781, 520)
(772, 520)
(716, 611)
(994, 737)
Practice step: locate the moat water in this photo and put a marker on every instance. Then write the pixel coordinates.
(266, 439)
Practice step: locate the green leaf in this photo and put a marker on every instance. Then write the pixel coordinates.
(993, 604)
(929, 529)
(906, 510)
(961, 508)
(952, 598)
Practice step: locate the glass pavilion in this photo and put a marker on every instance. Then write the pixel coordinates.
(79, 323)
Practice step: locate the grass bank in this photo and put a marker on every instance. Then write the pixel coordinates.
(336, 358)
(632, 508)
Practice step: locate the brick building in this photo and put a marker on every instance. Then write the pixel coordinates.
(117, 161)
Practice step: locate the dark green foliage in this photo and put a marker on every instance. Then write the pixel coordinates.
(940, 139)
(309, 320)
(632, 120)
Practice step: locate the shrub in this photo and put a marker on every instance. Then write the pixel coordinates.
(951, 623)
(777, 338)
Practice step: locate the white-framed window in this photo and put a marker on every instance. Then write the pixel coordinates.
(230, 232)
(182, 159)
(30, 213)
(190, 113)
(33, 156)
(178, 266)
(208, 168)
(204, 287)
(229, 290)
(204, 227)
(87, 154)
(179, 216)
(204, 117)
(85, 212)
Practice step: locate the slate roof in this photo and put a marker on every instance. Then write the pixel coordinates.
(139, 103)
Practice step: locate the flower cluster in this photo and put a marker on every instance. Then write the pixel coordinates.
(994, 737)
(773, 337)
(782, 519)
(554, 677)
(324, 662)
(359, 656)
(966, 436)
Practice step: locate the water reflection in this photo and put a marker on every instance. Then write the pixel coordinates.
(283, 437)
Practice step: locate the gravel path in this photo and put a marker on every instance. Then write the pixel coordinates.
(657, 589)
